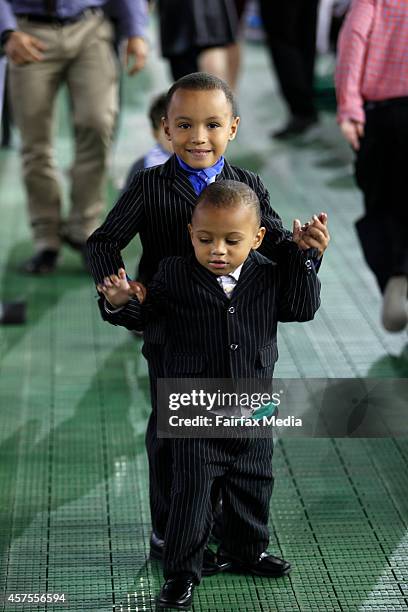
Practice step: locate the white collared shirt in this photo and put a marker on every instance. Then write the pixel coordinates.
(229, 281)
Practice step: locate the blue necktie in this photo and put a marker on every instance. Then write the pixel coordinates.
(201, 177)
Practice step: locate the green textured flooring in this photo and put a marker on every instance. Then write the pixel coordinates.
(74, 402)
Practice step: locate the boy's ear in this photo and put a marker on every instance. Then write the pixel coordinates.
(258, 238)
(165, 125)
(234, 127)
(190, 230)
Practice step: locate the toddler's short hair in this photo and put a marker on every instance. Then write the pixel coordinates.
(202, 81)
(157, 110)
(228, 194)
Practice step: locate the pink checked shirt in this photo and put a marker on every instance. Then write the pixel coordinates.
(372, 59)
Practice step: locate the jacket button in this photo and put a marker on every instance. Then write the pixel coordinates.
(233, 347)
(231, 310)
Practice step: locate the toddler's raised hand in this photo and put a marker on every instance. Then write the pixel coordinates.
(313, 234)
(116, 289)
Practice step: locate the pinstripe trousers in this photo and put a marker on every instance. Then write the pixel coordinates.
(158, 450)
(243, 469)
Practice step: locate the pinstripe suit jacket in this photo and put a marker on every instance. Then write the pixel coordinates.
(209, 335)
(158, 205)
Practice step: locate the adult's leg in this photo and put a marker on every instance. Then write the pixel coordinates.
(283, 27)
(373, 228)
(214, 60)
(183, 64)
(92, 80)
(396, 142)
(383, 231)
(33, 88)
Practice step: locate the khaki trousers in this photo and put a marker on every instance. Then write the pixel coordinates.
(82, 56)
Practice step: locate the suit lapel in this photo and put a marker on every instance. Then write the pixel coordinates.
(206, 279)
(252, 271)
(180, 183)
(226, 173)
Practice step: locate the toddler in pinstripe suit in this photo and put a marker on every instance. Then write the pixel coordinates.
(222, 305)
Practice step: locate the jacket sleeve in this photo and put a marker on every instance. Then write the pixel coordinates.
(277, 238)
(137, 316)
(276, 234)
(124, 221)
(299, 286)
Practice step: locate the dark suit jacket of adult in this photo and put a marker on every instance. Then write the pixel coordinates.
(209, 335)
(158, 205)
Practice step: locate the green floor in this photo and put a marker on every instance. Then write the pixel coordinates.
(74, 402)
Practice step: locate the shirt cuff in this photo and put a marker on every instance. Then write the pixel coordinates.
(111, 309)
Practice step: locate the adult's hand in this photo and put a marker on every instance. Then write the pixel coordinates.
(23, 48)
(352, 132)
(136, 49)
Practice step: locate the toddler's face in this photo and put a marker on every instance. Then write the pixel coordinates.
(199, 125)
(223, 237)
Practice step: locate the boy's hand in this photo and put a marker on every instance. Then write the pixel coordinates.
(118, 290)
(313, 234)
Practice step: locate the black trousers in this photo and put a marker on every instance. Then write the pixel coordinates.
(185, 63)
(242, 468)
(381, 170)
(290, 27)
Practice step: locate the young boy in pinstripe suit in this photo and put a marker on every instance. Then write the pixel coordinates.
(201, 118)
(222, 305)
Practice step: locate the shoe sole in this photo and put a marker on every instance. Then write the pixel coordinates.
(167, 606)
(235, 569)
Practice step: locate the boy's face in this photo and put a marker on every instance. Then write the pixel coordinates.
(199, 125)
(223, 237)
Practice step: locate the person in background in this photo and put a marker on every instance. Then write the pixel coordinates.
(372, 94)
(290, 29)
(195, 35)
(162, 149)
(49, 44)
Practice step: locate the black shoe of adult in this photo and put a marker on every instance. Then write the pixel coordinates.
(177, 593)
(43, 262)
(267, 565)
(295, 127)
(211, 564)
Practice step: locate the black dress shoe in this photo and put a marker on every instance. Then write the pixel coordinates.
(211, 564)
(267, 565)
(295, 127)
(177, 593)
(43, 262)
